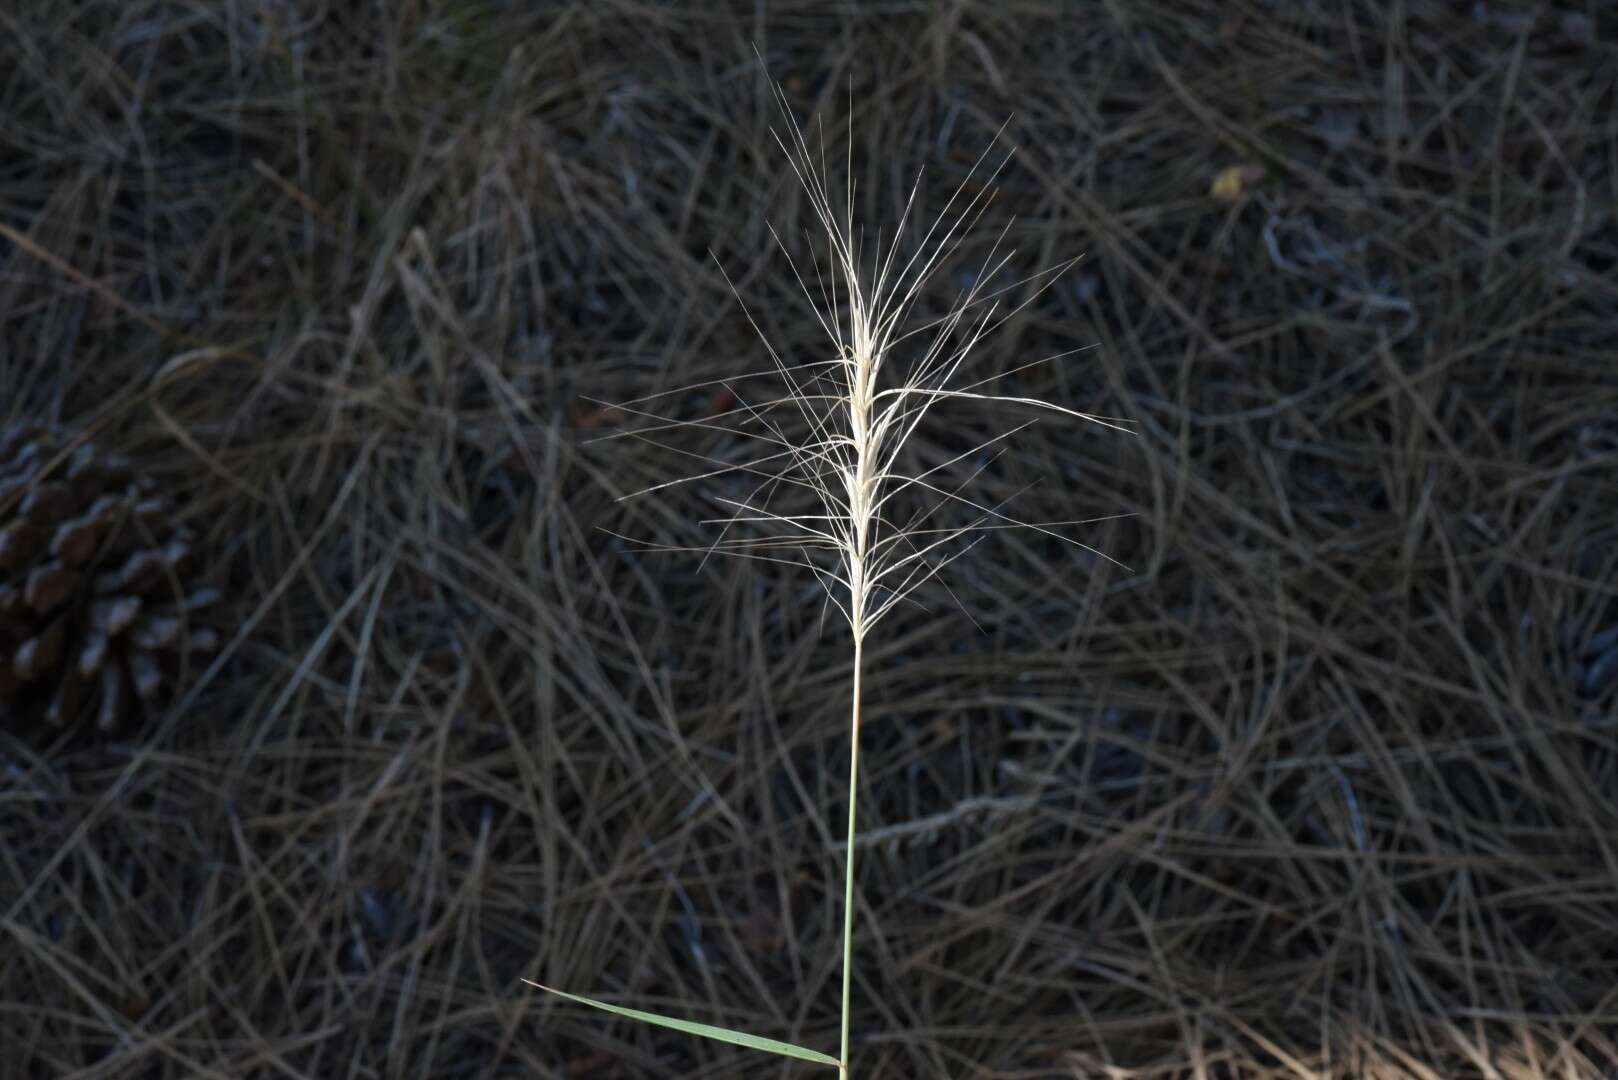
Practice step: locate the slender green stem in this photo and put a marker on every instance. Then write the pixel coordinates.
(848, 860)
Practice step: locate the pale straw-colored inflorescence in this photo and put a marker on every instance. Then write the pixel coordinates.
(847, 446)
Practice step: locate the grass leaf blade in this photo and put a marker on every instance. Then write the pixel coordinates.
(739, 1038)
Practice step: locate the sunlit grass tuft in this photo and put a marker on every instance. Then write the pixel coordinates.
(832, 491)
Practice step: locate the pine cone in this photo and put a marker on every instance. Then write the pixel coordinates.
(95, 602)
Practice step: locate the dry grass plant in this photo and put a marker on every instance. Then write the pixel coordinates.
(838, 434)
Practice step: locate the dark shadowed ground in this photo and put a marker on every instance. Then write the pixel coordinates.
(1325, 784)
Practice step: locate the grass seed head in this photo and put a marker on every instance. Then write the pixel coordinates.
(836, 427)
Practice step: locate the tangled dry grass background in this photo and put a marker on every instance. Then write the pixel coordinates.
(1326, 787)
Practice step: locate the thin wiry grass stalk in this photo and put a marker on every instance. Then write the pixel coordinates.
(854, 424)
(848, 858)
